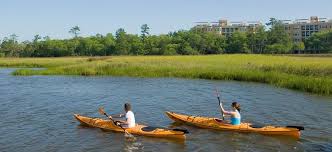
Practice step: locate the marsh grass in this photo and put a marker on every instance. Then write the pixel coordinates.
(310, 74)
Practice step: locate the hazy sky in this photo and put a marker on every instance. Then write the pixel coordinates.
(27, 18)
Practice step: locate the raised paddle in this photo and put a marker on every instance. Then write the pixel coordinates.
(127, 134)
(218, 97)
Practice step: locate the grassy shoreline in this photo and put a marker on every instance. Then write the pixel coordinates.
(309, 74)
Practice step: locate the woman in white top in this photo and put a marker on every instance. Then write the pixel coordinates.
(130, 117)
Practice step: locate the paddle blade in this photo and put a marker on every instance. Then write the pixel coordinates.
(101, 110)
(129, 136)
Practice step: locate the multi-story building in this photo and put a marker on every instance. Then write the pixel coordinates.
(301, 29)
(226, 28)
(298, 30)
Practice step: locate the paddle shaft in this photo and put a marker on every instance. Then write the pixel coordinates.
(218, 97)
(114, 122)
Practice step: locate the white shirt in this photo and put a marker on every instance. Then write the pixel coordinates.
(130, 119)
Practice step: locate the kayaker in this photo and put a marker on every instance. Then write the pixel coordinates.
(130, 117)
(235, 113)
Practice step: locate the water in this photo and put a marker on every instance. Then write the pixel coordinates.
(37, 113)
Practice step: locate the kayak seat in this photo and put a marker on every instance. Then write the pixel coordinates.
(149, 128)
(219, 120)
(256, 126)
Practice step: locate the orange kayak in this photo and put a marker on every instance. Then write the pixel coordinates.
(138, 129)
(218, 124)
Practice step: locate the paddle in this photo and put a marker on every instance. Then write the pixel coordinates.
(127, 134)
(218, 97)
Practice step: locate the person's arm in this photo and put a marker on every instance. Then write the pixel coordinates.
(117, 116)
(224, 111)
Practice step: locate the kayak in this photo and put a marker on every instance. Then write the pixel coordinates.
(138, 129)
(218, 124)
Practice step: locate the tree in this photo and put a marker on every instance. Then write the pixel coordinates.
(11, 47)
(136, 45)
(75, 31)
(122, 45)
(320, 42)
(278, 38)
(298, 47)
(215, 43)
(36, 38)
(144, 32)
(186, 49)
(170, 49)
(237, 43)
(257, 38)
(272, 22)
(109, 43)
(92, 47)
(277, 48)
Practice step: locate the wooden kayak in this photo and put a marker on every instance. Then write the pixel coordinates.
(138, 129)
(218, 124)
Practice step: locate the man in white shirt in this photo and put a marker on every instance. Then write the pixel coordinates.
(130, 117)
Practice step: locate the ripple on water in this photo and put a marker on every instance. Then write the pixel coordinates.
(37, 113)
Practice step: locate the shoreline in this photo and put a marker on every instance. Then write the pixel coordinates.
(308, 74)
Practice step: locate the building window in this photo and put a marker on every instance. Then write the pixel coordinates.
(307, 27)
(311, 27)
(316, 27)
(303, 34)
(303, 27)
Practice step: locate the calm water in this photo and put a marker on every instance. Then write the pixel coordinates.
(37, 113)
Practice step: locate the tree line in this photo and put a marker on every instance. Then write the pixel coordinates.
(274, 40)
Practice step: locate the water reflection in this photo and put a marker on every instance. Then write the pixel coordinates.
(37, 114)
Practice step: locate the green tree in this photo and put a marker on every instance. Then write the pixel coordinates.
(298, 47)
(186, 49)
(109, 43)
(237, 43)
(170, 49)
(215, 43)
(11, 47)
(75, 31)
(92, 47)
(272, 22)
(257, 38)
(136, 45)
(122, 46)
(278, 39)
(29, 48)
(36, 39)
(320, 42)
(144, 31)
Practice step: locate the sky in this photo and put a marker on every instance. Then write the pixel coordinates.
(54, 18)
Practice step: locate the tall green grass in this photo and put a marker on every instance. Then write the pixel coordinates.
(310, 74)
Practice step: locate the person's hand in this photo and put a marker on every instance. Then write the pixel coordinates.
(110, 117)
(118, 123)
(220, 104)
